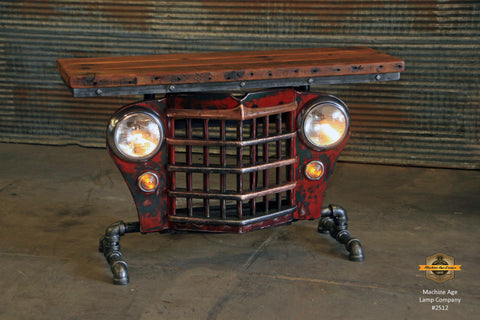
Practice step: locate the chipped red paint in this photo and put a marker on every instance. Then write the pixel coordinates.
(309, 194)
(154, 208)
(151, 207)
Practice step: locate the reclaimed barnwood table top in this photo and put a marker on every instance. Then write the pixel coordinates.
(229, 66)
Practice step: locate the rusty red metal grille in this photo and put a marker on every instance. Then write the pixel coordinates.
(231, 167)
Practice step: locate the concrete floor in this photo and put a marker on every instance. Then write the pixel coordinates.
(57, 201)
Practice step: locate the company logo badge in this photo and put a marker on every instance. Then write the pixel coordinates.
(440, 267)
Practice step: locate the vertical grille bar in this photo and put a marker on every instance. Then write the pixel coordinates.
(206, 176)
(253, 175)
(265, 159)
(279, 156)
(171, 160)
(240, 164)
(223, 163)
(189, 174)
(291, 152)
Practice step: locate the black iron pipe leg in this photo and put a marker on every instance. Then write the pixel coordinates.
(110, 247)
(334, 220)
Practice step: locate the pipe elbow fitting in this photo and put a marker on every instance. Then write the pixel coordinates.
(355, 249)
(120, 272)
(116, 229)
(339, 214)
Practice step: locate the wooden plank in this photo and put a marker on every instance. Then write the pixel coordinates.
(194, 68)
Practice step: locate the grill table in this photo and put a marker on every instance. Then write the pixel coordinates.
(228, 163)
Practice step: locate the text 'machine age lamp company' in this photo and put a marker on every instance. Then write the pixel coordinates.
(227, 141)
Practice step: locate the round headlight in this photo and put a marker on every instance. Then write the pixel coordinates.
(325, 125)
(137, 135)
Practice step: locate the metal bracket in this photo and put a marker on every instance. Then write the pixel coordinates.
(233, 85)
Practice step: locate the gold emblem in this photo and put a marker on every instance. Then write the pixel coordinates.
(440, 267)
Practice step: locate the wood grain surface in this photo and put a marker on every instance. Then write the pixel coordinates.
(224, 66)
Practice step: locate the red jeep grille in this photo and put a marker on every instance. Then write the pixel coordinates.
(231, 167)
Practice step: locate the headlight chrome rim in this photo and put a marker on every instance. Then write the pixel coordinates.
(320, 103)
(121, 116)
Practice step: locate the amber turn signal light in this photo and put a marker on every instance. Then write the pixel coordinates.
(314, 170)
(148, 182)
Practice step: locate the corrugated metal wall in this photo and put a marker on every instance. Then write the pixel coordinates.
(429, 118)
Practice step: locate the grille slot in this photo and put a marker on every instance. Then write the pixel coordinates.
(235, 169)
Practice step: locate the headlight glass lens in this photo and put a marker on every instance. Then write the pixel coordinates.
(325, 125)
(138, 135)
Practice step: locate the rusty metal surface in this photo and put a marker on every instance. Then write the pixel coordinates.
(260, 186)
(429, 118)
